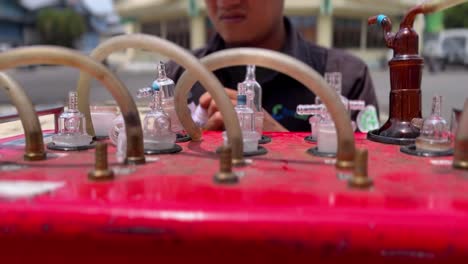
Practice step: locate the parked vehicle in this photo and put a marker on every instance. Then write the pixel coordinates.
(4, 46)
(448, 47)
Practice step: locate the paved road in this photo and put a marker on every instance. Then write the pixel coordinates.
(51, 85)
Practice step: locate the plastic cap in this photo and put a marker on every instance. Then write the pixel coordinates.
(380, 18)
(155, 86)
(241, 99)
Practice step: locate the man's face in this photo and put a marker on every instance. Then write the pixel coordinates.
(243, 22)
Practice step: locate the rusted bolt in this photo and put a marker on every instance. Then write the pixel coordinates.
(101, 169)
(360, 178)
(225, 174)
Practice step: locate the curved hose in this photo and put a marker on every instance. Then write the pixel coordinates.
(284, 64)
(34, 148)
(62, 56)
(427, 7)
(183, 58)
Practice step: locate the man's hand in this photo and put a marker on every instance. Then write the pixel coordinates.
(215, 119)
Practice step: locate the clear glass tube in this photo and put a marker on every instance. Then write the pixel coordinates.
(313, 109)
(334, 79)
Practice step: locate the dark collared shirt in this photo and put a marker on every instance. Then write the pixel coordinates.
(281, 93)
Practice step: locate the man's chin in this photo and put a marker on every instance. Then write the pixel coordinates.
(237, 42)
(240, 40)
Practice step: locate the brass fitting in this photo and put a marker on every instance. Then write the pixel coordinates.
(360, 178)
(101, 170)
(225, 174)
(460, 156)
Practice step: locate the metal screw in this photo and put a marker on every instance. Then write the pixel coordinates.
(360, 178)
(225, 174)
(101, 170)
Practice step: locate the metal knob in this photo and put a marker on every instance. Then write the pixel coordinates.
(101, 169)
(360, 179)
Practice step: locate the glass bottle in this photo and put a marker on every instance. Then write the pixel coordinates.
(435, 133)
(167, 87)
(244, 113)
(157, 130)
(253, 91)
(72, 125)
(246, 117)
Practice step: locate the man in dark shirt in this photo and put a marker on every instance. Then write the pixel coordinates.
(260, 24)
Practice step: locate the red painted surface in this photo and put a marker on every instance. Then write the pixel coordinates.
(289, 207)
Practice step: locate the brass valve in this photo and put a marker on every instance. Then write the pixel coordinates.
(360, 179)
(101, 169)
(460, 157)
(225, 174)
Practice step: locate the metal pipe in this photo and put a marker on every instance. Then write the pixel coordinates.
(284, 64)
(62, 56)
(439, 5)
(429, 6)
(460, 157)
(34, 149)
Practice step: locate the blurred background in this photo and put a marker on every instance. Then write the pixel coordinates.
(83, 24)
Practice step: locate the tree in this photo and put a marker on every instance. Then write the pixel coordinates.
(60, 26)
(456, 17)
